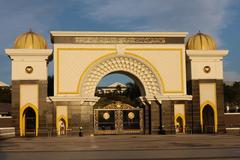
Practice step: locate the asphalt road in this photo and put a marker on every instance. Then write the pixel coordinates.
(122, 147)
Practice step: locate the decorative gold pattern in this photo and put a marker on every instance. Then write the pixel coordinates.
(29, 69)
(131, 115)
(207, 69)
(124, 64)
(118, 105)
(120, 40)
(118, 111)
(106, 115)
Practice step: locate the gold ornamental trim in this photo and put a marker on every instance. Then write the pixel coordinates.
(131, 115)
(207, 69)
(106, 115)
(120, 40)
(29, 69)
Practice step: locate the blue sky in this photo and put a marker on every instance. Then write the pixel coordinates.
(219, 18)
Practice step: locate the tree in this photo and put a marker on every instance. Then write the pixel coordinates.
(129, 96)
(5, 94)
(132, 91)
(232, 94)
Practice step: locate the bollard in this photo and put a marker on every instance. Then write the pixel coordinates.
(162, 131)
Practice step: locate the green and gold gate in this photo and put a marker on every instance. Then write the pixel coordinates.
(118, 118)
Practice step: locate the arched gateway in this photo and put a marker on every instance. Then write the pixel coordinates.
(140, 70)
(174, 79)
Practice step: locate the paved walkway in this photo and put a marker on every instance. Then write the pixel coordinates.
(123, 147)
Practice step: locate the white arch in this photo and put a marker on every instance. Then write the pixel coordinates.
(129, 64)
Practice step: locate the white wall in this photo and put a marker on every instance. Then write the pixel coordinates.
(28, 94)
(72, 60)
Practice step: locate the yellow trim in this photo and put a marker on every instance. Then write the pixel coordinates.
(84, 72)
(215, 114)
(89, 66)
(183, 118)
(23, 125)
(22, 118)
(99, 59)
(162, 87)
(65, 118)
(153, 49)
(156, 70)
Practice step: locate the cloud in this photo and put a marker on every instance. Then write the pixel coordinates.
(17, 16)
(209, 16)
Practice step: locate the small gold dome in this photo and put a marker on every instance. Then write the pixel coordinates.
(201, 41)
(30, 40)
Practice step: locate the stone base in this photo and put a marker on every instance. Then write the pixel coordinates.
(196, 128)
(168, 117)
(80, 116)
(158, 118)
(44, 109)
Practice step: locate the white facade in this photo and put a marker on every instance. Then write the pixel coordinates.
(166, 63)
(175, 81)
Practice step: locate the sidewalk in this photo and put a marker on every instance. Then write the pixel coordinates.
(122, 147)
(119, 143)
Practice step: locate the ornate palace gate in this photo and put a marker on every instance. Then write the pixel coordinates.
(118, 118)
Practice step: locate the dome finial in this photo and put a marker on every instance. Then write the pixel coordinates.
(30, 30)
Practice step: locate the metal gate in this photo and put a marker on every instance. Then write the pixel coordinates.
(118, 118)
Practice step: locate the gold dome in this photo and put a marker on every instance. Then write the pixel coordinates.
(201, 41)
(30, 40)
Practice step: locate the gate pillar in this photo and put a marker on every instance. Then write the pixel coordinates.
(167, 109)
(147, 119)
(87, 119)
(155, 117)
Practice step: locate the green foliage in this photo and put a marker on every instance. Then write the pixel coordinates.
(132, 91)
(232, 94)
(5, 94)
(129, 96)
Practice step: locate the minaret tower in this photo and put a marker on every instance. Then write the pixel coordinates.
(30, 56)
(205, 76)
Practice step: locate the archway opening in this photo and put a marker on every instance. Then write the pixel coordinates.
(62, 126)
(30, 122)
(179, 125)
(208, 119)
(119, 86)
(137, 69)
(119, 110)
